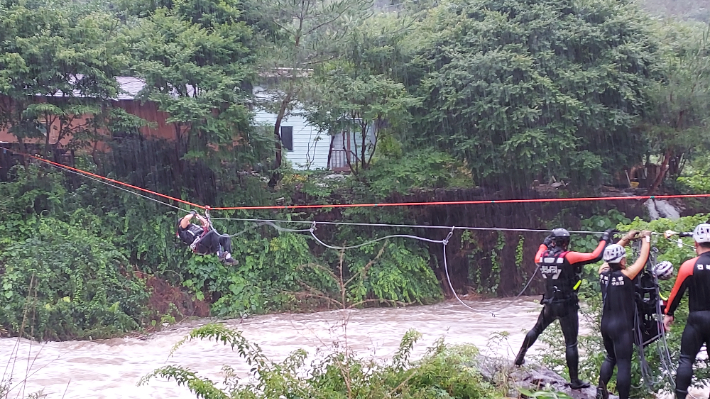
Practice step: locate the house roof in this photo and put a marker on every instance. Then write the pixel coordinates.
(130, 87)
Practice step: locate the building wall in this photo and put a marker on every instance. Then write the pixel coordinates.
(148, 111)
(310, 148)
(6, 104)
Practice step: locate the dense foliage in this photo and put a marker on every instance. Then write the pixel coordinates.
(528, 90)
(455, 94)
(444, 372)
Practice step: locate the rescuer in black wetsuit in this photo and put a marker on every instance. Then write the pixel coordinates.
(618, 312)
(561, 269)
(693, 275)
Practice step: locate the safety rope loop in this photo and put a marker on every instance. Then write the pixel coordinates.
(207, 216)
(448, 237)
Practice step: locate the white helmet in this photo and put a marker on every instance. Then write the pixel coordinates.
(702, 233)
(614, 253)
(663, 270)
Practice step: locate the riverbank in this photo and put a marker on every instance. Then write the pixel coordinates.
(111, 369)
(108, 369)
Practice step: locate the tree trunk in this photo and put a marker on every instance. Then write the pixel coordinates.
(330, 152)
(48, 131)
(179, 169)
(661, 173)
(363, 133)
(275, 175)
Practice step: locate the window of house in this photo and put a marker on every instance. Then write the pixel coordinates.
(287, 137)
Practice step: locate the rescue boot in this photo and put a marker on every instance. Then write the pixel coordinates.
(573, 368)
(578, 384)
(520, 358)
(602, 393)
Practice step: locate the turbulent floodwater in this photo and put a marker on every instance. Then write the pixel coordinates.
(112, 368)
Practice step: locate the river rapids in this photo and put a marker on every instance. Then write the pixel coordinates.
(112, 368)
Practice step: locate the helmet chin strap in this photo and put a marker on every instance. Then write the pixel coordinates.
(555, 249)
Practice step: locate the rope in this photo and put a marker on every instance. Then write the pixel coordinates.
(370, 205)
(128, 191)
(477, 202)
(318, 240)
(265, 223)
(413, 226)
(445, 242)
(271, 222)
(94, 175)
(519, 294)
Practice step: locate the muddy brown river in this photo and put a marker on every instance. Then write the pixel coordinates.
(112, 368)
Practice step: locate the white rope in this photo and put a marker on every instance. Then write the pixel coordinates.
(413, 226)
(318, 240)
(665, 360)
(265, 221)
(446, 270)
(519, 294)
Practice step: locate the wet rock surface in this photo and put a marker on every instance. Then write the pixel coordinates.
(533, 377)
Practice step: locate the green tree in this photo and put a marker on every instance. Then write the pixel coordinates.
(58, 65)
(366, 106)
(310, 32)
(526, 89)
(195, 65)
(357, 94)
(678, 124)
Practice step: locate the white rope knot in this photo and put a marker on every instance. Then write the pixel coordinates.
(445, 241)
(313, 227)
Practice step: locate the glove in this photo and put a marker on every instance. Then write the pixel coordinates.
(608, 234)
(548, 240)
(631, 235)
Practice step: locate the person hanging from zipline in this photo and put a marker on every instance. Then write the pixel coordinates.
(618, 312)
(694, 276)
(562, 270)
(205, 240)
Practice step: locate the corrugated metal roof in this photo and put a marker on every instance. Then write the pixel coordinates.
(130, 87)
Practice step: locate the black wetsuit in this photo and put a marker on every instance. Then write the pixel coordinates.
(693, 275)
(561, 270)
(210, 240)
(617, 328)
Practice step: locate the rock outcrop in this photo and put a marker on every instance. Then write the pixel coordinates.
(533, 377)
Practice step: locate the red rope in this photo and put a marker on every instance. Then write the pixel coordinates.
(477, 202)
(105, 178)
